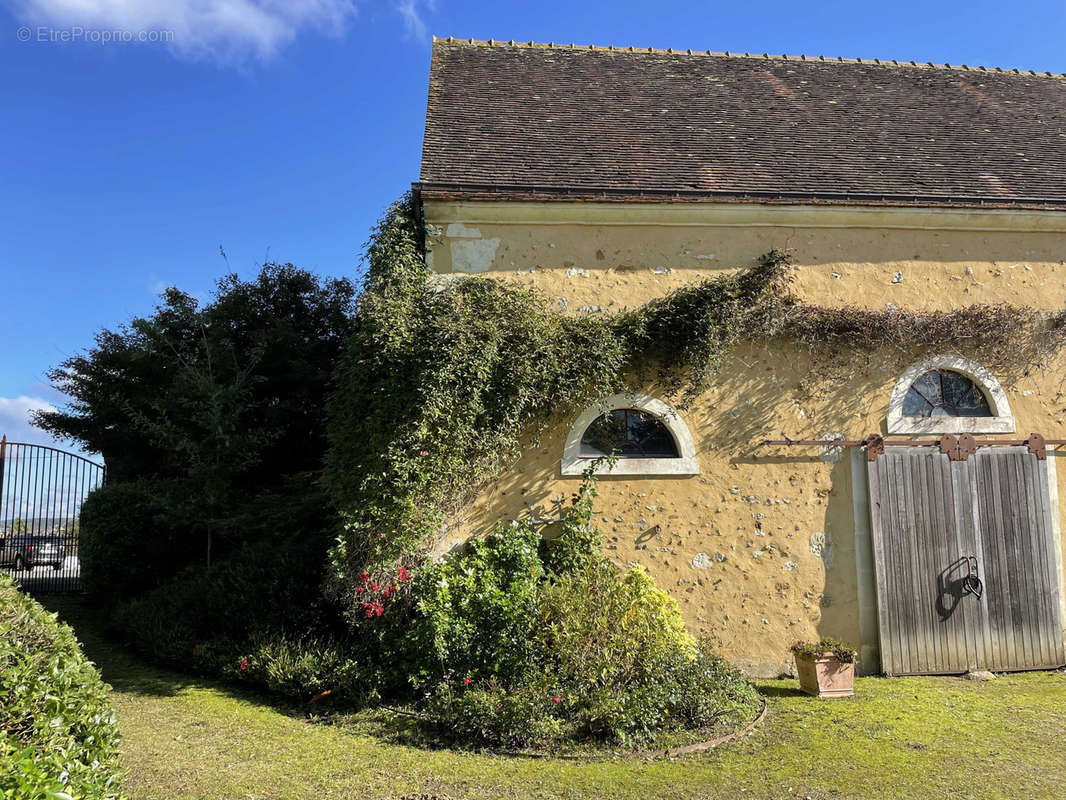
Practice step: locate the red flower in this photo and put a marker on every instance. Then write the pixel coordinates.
(403, 574)
(467, 680)
(374, 586)
(359, 589)
(244, 663)
(555, 699)
(364, 577)
(378, 611)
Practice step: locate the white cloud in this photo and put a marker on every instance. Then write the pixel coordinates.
(219, 29)
(412, 18)
(15, 419)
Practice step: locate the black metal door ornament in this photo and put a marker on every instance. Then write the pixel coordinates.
(972, 582)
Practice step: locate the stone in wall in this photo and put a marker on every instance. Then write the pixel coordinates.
(822, 546)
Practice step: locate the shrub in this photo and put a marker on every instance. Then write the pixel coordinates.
(249, 607)
(474, 614)
(520, 645)
(173, 626)
(131, 539)
(520, 715)
(262, 583)
(211, 420)
(301, 666)
(617, 645)
(57, 730)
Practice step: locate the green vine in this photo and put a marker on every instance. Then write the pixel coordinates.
(442, 380)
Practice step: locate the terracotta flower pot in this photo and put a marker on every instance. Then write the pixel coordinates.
(825, 676)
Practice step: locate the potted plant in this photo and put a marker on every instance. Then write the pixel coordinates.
(826, 668)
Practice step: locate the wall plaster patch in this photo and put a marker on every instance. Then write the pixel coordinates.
(473, 255)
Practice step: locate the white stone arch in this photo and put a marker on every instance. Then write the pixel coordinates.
(685, 464)
(1001, 421)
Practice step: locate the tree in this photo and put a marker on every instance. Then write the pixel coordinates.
(235, 386)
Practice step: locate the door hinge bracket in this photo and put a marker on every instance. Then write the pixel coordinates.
(958, 448)
(1037, 446)
(875, 446)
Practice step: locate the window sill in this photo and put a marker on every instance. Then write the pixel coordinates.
(635, 466)
(919, 425)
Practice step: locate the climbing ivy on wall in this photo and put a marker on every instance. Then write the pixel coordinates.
(442, 378)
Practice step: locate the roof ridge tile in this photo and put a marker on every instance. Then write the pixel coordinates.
(532, 44)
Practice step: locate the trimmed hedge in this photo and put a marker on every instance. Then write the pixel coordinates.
(58, 737)
(131, 539)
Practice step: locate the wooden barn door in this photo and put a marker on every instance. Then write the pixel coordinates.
(1021, 580)
(965, 561)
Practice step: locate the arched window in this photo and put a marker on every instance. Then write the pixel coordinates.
(948, 394)
(645, 435)
(944, 393)
(628, 433)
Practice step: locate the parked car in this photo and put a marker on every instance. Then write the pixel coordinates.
(26, 551)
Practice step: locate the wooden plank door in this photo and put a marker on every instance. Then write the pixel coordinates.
(923, 532)
(937, 525)
(1020, 570)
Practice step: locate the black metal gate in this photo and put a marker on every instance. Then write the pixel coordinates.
(41, 492)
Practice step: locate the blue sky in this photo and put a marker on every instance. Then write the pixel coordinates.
(281, 130)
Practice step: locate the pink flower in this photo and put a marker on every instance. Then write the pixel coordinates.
(424, 453)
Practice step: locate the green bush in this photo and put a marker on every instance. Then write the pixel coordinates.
(611, 663)
(173, 625)
(248, 609)
(520, 643)
(263, 585)
(57, 731)
(302, 666)
(474, 614)
(139, 535)
(626, 669)
(132, 538)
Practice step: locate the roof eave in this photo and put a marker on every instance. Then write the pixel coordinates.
(435, 190)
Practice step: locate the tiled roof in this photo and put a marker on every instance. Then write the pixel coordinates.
(556, 121)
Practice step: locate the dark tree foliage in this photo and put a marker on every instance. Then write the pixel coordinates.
(230, 391)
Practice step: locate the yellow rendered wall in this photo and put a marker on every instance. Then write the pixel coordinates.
(759, 548)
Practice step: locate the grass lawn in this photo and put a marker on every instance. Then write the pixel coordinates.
(184, 737)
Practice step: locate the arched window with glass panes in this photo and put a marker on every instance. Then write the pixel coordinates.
(642, 434)
(948, 394)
